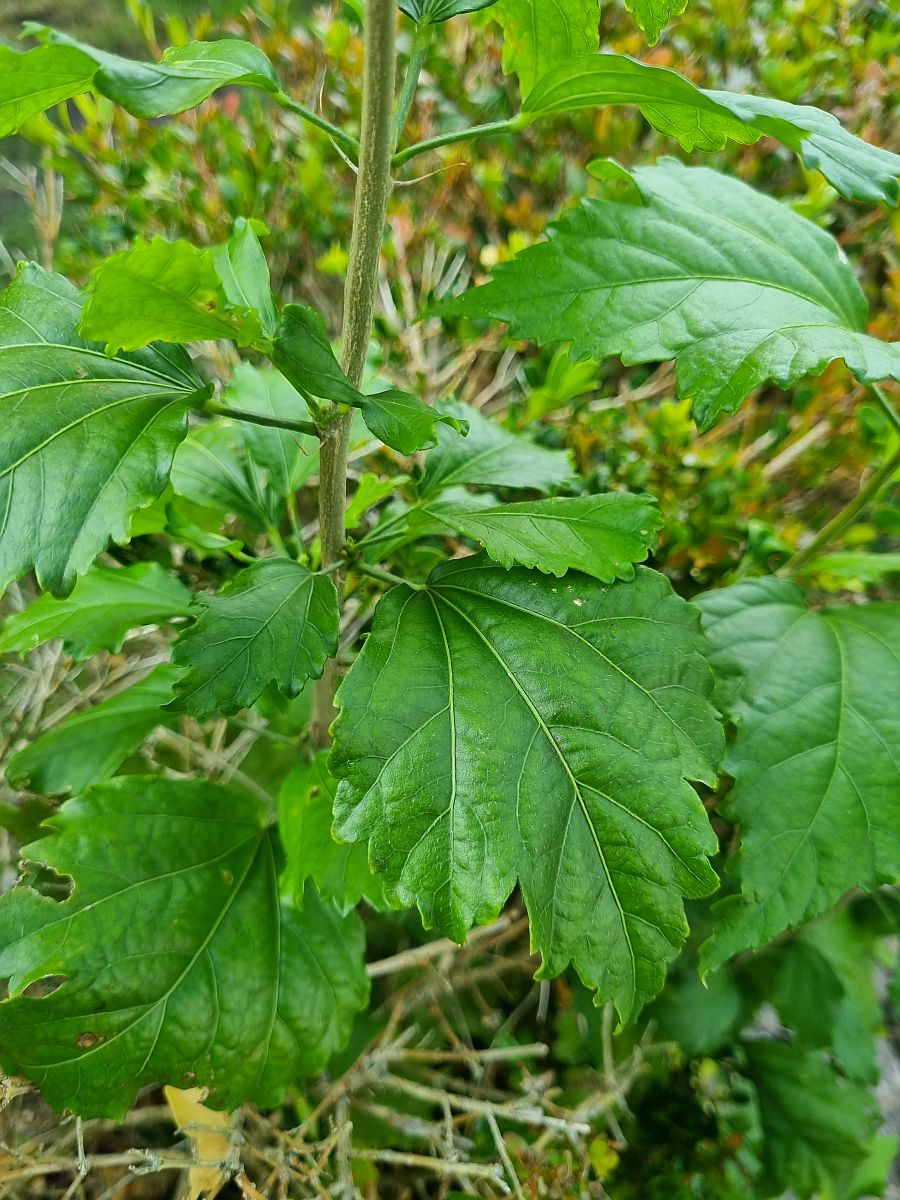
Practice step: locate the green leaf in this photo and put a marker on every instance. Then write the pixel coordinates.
(539, 35)
(303, 352)
(491, 456)
(706, 120)
(89, 439)
(274, 622)
(815, 1124)
(244, 272)
(370, 490)
(734, 286)
(167, 291)
(654, 15)
(186, 75)
(499, 725)
(215, 469)
(182, 965)
(289, 459)
(38, 79)
(432, 12)
(816, 699)
(91, 746)
(105, 605)
(340, 872)
(603, 536)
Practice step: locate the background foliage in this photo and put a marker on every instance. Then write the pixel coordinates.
(690, 1102)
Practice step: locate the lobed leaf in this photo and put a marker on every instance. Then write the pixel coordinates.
(502, 726)
(816, 700)
(492, 457)
(90, 746)
(340, 871)
(734, 286)
(89, 439)
(167, 291)
(538, 37)
(106, 604)
(707, 119)
(274, 622)
(181, 966)
(603, 536)
(303, 352)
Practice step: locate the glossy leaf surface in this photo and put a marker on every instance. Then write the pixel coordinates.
(181, 966)
(814, 760)
(274, 622)
(734, 286)
(89, 438)
(469, 760)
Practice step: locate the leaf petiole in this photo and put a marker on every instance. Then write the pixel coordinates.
(471, 133)
(240, 414)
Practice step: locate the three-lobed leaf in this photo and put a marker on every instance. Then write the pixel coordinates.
(501, 726)
(816, 697)
(707, 119)
(182, 965)
(734, 286)
(90, 746)
(274, 622)
(603, 536)
(105, 605)
(89, 439)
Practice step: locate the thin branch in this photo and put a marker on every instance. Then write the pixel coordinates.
(336, 134)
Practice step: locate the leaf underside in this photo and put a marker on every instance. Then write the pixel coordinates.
(733, 285)
(90, 439)
(501, 725)
(182, 965)
(816, 700)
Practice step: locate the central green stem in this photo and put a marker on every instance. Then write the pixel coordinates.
(373, 186)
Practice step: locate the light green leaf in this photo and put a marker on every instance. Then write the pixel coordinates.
(38, 79)
(167, 291)
(88, 439)
(182, 965)
(289, 459)
(491, 456)
(816, 699)
(340, 871)
(539, 35)
(303, 352)
(432, 12)
(815, 1124)
(274, 622)
(857, 566)
(654, 15)
(91, 746)
(370, 490)
(105, 605)
(734, 286)
(708, 119)
(244, 272)
(184, 77)
(502, 726)
(603, 536)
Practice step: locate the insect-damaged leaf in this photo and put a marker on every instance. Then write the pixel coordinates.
(501, 726)
(183, 965)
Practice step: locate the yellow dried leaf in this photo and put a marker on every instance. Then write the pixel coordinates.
(210, 1136)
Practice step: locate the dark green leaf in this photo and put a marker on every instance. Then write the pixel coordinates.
(815, 1125)
(105, 604)
(538, 36)
(91, 746)
(89, 439)
(734, 286)
(603, 536)
(275, 622)
(186, 75)
(181, 965)
(708, 119)
(491, 456)
(166, 291)
(431, 12)
(499, 725)
(305, 814)
(38, 79)
(405, 423)
(818, 716)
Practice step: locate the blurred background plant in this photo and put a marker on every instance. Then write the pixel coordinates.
(464, 1057)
